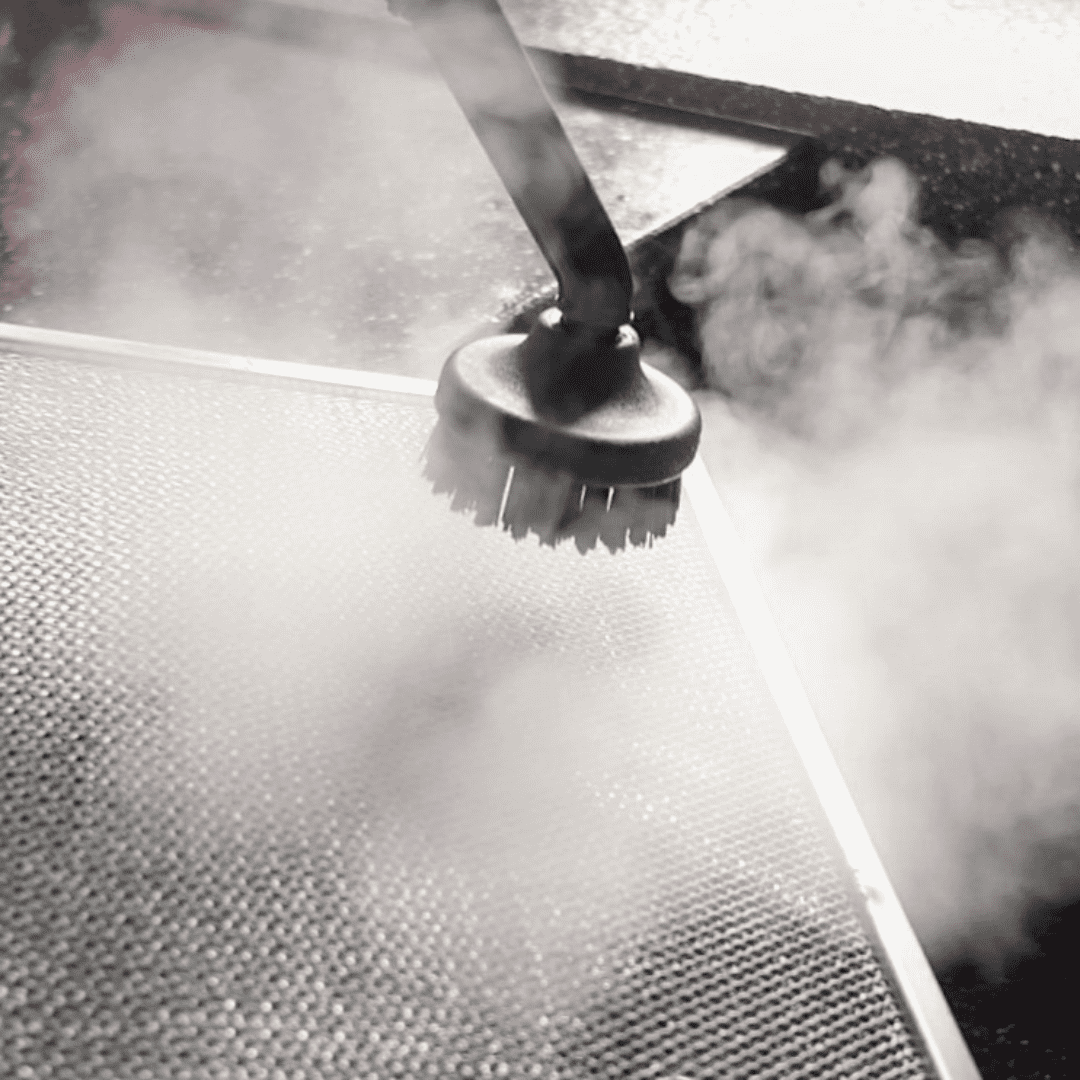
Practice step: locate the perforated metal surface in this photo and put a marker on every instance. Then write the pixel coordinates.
(305, 776)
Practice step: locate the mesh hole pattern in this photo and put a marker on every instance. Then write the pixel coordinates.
(304, 776)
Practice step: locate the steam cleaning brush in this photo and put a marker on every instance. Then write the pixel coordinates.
(562, 432)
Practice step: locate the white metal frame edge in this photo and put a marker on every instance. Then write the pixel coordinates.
(929, 1010)
(64, 343)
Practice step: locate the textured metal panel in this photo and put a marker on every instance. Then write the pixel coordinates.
(306, 776)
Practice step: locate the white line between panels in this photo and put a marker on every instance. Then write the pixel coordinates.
(89, 346)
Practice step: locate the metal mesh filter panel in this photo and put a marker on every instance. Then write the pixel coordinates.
(305, 776)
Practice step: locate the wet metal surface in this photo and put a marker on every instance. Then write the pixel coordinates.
(207, 189)
(952, 88)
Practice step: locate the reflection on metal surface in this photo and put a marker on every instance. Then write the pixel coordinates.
(1007, 62)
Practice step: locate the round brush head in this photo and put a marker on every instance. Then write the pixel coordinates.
(562, 433)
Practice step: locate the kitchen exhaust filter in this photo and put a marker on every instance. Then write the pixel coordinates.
(305, 776)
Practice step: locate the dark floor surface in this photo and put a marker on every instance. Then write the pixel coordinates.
(1026, 1026)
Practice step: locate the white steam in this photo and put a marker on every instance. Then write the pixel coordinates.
(900, 442)
(208, 190)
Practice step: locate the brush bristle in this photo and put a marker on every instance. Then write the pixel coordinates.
(472, 472)
(551, 504)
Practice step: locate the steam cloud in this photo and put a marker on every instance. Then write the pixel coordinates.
(215, 191)
(900, 441)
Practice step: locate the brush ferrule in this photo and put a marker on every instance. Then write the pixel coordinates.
(571, 369)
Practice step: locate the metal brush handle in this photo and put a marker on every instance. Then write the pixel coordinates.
(487, 70)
